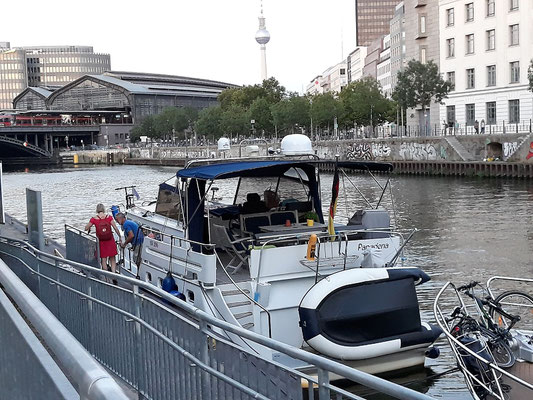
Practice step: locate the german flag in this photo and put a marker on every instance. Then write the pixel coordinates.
(333, 204)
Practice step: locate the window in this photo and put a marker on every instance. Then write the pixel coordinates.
(422, 24)
(450, 115)
(470, 114)
(343, 71)
(450, 77)
(491, 75)
(515, 71)
(450, 17)
(513, 5)
(470, 78)
(491, 8)
(450, 46)
(491, 39)
(423, 55)
(514, 35)
(514, 111)
(491, 113)
(469, 12)
(470, 44)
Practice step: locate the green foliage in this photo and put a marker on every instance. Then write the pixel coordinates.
(235, 120)
(260, 112)
(420, 84)
(363, 103)
(208, 122)
(290, 112)
(324, 109)
(136, 133)
(244, 96)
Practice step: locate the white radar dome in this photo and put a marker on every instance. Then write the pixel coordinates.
(296, 144)
(223, 144)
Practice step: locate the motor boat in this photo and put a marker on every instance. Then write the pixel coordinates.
(256, 251)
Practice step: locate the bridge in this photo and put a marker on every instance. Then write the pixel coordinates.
(18, 148)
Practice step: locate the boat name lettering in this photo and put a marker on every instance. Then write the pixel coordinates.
(377, 246)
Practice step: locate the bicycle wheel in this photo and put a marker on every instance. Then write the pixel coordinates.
(515, 303)
(500, 349)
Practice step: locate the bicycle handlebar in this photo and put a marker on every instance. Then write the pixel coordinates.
(468, 286)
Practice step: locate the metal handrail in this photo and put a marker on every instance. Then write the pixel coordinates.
(454, 344)
(322, 364)
(28, 145)
(93, 381)
(246, 295)
(505, 278)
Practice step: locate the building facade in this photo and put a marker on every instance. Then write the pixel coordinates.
(13, 76)
(485, 50)
(373, 19)
(45, 66)
(355, 63)
(422, 44)
(372, 58)
(384, 76)
(397, 43)
(333, 80)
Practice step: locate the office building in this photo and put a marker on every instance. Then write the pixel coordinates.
(383, 67)
(422, 44)
(355, 63)
(372, 19)
(21, 67)
(485, 50)
(397, 43)
(333, 80)
(372, 58)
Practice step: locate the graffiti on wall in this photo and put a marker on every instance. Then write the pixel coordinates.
(418, 151)
(530, 154)
(443, 153)
(380, 150)
(359, 151)
(509, 148)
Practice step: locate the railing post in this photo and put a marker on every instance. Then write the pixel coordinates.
(323, 385)
(204, 356)
(90, 346)
(137, 354)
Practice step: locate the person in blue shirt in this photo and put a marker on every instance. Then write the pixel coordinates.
(132, 234)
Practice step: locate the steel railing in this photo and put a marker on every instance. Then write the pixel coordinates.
(173, 352)
(492, 384)
(93, 382)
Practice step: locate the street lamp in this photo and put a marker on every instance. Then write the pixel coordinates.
(253, 127)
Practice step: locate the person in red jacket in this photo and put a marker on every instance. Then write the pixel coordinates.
(108, 247)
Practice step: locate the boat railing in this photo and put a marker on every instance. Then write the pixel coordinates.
(491, 283)
(490, 384)
(322, 238)
(175, 347)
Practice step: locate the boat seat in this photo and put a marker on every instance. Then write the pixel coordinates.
(250, 224)
(279, 217)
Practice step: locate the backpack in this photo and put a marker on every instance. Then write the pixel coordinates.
(103, 230)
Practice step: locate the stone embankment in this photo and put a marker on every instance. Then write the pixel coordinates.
(484, 155)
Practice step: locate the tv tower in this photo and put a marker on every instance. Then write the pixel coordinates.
(262, 37)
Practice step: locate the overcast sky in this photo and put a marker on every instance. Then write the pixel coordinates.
(213, 39)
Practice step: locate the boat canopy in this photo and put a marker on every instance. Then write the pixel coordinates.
(199, 175)
(270, 168)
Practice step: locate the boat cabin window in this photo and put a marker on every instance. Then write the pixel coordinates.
(168, 201)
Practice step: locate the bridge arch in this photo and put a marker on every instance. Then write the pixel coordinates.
(11, 147)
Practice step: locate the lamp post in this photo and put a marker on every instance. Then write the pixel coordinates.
(252, 122)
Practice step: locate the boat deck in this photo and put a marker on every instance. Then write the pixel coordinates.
(524, 371)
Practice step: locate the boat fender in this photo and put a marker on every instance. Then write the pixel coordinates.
(169, 284)
(178, 294)
(311, 247)
(433, 352)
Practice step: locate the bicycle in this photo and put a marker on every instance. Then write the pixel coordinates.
(497, 335)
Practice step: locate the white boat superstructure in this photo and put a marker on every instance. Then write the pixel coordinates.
(254, 262)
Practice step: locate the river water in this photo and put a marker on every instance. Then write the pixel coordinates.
(468, 228)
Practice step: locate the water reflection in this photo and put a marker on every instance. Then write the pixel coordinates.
(469, 228)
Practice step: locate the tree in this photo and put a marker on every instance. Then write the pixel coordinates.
(244, 96)
(235, 120)
(136, 133)
(363, 103)
(208, 122)
(260, 112)
(147, 127)
(420, 84)
(324, 109)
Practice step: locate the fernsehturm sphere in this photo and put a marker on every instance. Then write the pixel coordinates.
(262, 37)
